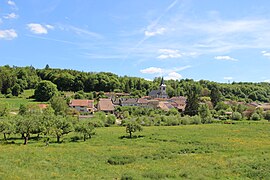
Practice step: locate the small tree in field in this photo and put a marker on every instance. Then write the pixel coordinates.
(61, 126)
(6, 127)
(132, 126)
(25, 125)
(85, 128)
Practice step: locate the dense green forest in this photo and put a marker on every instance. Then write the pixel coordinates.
(13, 80)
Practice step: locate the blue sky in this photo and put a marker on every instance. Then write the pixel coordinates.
(217, 40)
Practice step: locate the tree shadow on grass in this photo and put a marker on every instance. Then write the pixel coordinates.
(132, 137)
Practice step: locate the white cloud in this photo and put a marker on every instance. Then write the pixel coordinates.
(11, 16)
(49, 26)
(169, 53)
(173, 76)
(8, 34)
(173, 53)
(167, 73)
(11, 3)
(158, 31)
(225, 58)
(228, 78)
(38, 28)
(265, 53)
(152, 70)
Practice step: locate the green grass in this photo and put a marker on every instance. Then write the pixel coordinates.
(15, 102)
(215, 151)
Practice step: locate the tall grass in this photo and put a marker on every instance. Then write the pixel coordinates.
(214, 151)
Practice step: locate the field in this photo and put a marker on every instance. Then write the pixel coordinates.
(233, 151)
(15, 102)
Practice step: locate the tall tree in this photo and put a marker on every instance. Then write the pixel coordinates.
(193, 93)
(45, 91)
(215, 96)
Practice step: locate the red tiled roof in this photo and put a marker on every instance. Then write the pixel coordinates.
(42, 106)
(82, 102)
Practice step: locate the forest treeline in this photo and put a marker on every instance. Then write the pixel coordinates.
(13, 80)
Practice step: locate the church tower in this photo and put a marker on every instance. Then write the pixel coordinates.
(162, 89)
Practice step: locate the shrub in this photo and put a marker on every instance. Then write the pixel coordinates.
(267, 115)
(198, 119)
(186, 120)
(236, 116)
(255, 117)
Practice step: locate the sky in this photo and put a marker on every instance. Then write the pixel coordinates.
(216, 40)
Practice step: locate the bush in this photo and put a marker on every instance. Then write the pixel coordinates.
(186, 120)
(198, 120)
(236, 116)
(267, 115)
(255, 117)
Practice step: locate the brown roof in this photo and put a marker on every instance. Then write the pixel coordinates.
(82, 102)
(166, 106)
(105, 105)
(142, 101)
(178, 98)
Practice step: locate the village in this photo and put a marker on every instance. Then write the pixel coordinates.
(157, 99)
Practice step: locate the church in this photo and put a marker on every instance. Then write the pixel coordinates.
(161, 92)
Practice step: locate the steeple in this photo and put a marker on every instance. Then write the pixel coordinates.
(162, 82)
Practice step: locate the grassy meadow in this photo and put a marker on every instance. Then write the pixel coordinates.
(214, 151)
(15, 102)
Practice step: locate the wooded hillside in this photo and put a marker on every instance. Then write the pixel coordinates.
(13, 80)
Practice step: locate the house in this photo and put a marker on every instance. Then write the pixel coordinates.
(105, 105)
(142, 102)
(160, 93)
(179, 103)
(153, 104)
(165, 106)
(129, 102)
(83, 105)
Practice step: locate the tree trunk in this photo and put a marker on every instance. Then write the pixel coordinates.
(5, 137)
(130, 134)
(84, 137)
(25, 139)
(58, 139)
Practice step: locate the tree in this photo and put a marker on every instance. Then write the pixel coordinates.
(45, 91)
(236, 116)
(86, 128)
(25, 125)
(16, 90)
(6, 127)
(193, 92)
(267, 115)
(204, 113)
(61, 126)
(59, 105)
(23, 109)
(4, 109)
(132, 126)
(255, 116)
(215, 96)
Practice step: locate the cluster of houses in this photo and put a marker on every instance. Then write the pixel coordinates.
(157, 99)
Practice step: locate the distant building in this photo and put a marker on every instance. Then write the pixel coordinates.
(83, 105)
(105, 105)
(161, 92)
(129, 102)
